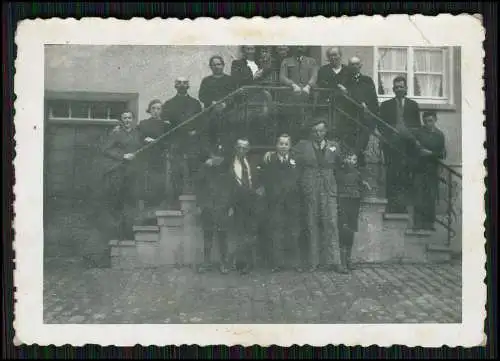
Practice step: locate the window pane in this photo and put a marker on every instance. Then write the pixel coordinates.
(392, 59)
(428, 60)
(99, 110)
(80, 109)
(116, 109)
(428, 85)
(60, 108)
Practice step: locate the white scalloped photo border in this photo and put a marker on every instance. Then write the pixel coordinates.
(464, 30)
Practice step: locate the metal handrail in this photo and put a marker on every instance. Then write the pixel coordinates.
(352, 100)
(178, 126)
(250, 87)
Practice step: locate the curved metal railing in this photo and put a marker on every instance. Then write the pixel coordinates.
(380, 123)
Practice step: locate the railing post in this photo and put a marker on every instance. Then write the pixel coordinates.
(450, 195)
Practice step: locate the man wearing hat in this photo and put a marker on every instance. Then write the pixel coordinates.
(318, 160)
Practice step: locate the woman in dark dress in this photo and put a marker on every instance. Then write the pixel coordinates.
(154, 159)
(122, 184)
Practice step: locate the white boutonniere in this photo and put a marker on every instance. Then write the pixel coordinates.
(333, 148)
(292, 162)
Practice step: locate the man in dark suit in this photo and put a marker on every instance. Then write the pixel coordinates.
(331, 75)
(176, 110)
(280, 181)
(362, 89)
(403, 117)
(212, 197)
(244, 193)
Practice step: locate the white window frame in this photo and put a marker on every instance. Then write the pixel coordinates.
(130, 98)
(448, 99)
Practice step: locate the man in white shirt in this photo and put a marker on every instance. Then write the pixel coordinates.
(245, 71)
(242, 207)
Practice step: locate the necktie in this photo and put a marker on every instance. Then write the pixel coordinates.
(245, 179)
(400, 110)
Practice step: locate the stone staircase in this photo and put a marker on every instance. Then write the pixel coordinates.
(176, 240)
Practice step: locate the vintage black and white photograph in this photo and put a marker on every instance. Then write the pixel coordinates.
(253, 181)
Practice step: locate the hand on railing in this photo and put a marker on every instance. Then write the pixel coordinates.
(366, 185)
(149, 140)
(296, 88)
(425, 152)
(129, 156)
(267, 157)
(307, 89)
(214, 161)
(342, 88)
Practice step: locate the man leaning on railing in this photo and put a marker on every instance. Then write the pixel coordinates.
(183, 158)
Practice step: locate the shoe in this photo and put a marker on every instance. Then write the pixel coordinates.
(204, 267)
(223, 269)
(276, 269)
(342, 267)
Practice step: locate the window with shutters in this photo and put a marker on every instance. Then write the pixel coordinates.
(428, 71)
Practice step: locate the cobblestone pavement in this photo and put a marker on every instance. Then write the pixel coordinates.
(370, 294)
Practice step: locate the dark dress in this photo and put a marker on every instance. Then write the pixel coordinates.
(153, 161)
(212, 89)
(280, 181)
(123, 186)
(329, 79)
(426, 180)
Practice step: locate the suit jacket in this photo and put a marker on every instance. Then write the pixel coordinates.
(280, 180)
(301, 73)
(411, 113)
(350, 177)
(362, 88)
(119, 143)
(180, 108)
(327, 78)
(311, 170)
(433, 141)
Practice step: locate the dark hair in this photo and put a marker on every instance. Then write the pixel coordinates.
(284, 135)
(429, 113)
(398, 79)
(212, 58)
(127, 111)
(151, 103)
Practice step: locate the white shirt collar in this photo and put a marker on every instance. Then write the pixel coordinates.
(283, 157)
(253, 66)
(238, 170)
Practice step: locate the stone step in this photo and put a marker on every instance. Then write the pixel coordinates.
(147, 240)
(438, 253)
(124, 254)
